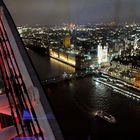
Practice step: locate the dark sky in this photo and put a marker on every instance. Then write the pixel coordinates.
(53, 12)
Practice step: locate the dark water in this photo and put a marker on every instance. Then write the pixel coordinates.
(74, 100)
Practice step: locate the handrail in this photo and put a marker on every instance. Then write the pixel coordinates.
(15, 85)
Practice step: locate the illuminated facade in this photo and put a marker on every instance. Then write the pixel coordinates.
(64, 57)
(67, 41)
(102, 54)
(77, 61)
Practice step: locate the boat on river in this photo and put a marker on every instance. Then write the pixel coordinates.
(105, 116)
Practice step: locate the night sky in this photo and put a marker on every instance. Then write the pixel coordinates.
(53, 12)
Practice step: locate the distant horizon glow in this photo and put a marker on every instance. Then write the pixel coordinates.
(57, 12)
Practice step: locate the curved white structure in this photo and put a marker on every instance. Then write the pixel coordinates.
(23, 91)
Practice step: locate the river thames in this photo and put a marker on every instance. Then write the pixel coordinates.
(73, 102)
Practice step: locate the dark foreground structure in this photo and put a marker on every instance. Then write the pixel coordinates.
(23, 97)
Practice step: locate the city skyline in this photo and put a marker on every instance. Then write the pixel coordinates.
(50, 12)
(75, 81)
